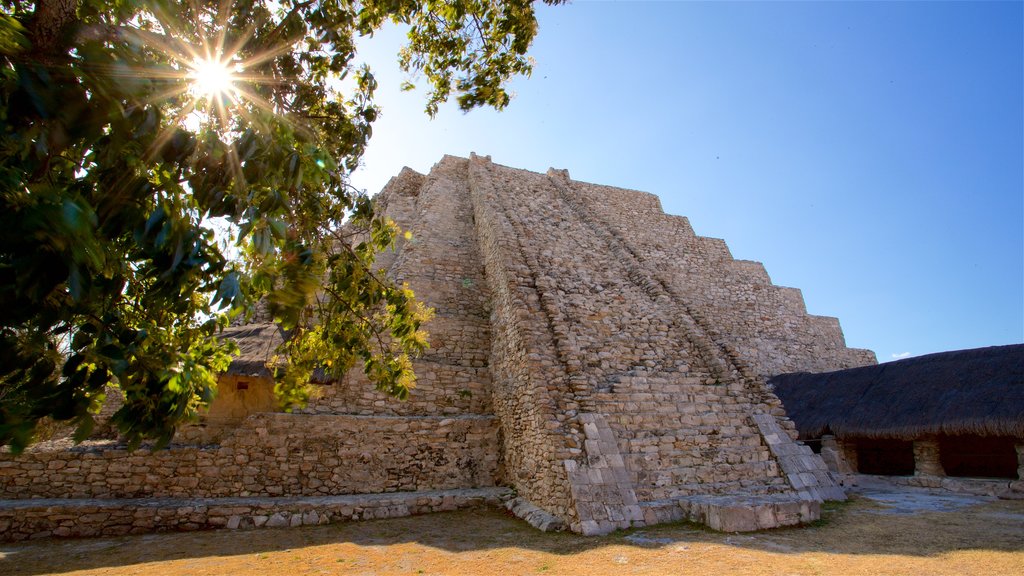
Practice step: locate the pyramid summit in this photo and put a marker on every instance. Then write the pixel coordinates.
(593, 363)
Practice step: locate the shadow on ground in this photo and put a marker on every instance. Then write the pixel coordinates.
(863, 526)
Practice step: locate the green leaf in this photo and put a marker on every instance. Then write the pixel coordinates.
(13, 37)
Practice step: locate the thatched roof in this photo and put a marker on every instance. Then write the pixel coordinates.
(978, 391)
(257, 344)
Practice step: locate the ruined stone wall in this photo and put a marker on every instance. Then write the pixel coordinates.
(442, 265)
(441, 390)
(274, 455)
(31, 519)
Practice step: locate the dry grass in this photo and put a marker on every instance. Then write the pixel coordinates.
(853, 538)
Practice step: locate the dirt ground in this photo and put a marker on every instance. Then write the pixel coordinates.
(871, 534)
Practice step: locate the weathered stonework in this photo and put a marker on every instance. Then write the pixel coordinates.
(41, 518)
(588, 351)
(927, 460)
(833, 453)
(1020, 460)
(996, 488)
(848, 452)
(274, 455)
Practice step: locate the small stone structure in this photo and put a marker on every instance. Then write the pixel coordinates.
(952, 420)
(589, 352)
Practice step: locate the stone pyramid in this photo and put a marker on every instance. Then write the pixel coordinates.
(593, 363)
(623, 356)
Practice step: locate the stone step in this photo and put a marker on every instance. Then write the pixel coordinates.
(642, 453)
(687, 424)
(669, 467)
(659, 392)
(655, 437)
(651, 493)
(734, 513)
(763, 485)
(650, 408)
(685, 460)
(71, 517)
(681, 410)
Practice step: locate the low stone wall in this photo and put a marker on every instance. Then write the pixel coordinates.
(275, 455)
(441, 390)
(1005, 489)
(30, 519)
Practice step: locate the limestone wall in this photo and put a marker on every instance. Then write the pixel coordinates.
(441, 389)
(768, 325)
(31, 519)
(239, 396)
(529, 392)
(442, 264)
(274, 455)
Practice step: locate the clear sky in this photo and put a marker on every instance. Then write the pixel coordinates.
(870, 154)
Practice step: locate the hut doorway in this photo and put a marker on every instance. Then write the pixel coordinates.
(978, 456)
(885, 457)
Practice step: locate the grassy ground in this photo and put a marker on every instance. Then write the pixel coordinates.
(857, 537)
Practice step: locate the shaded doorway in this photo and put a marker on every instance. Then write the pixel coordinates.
(885, 457)
(978, 456)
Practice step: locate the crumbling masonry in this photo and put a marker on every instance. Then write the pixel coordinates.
(589, 352)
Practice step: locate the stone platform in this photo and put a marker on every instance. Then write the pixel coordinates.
(734, 513)
(72, 517)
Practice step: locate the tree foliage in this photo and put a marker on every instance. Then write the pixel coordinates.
(115, 170)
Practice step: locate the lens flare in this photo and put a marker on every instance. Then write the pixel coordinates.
(212, 78)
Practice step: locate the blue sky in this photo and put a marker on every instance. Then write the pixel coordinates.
(870, 154)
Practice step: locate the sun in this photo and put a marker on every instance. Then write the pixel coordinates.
(212, 78)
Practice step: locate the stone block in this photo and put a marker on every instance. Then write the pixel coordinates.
(765, 516)
(276, 520)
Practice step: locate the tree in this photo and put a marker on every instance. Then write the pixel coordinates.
(130, 129)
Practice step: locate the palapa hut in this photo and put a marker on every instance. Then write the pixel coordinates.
(949, 414)
(248, 386)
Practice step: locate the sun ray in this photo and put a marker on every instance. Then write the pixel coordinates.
(266, 55)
